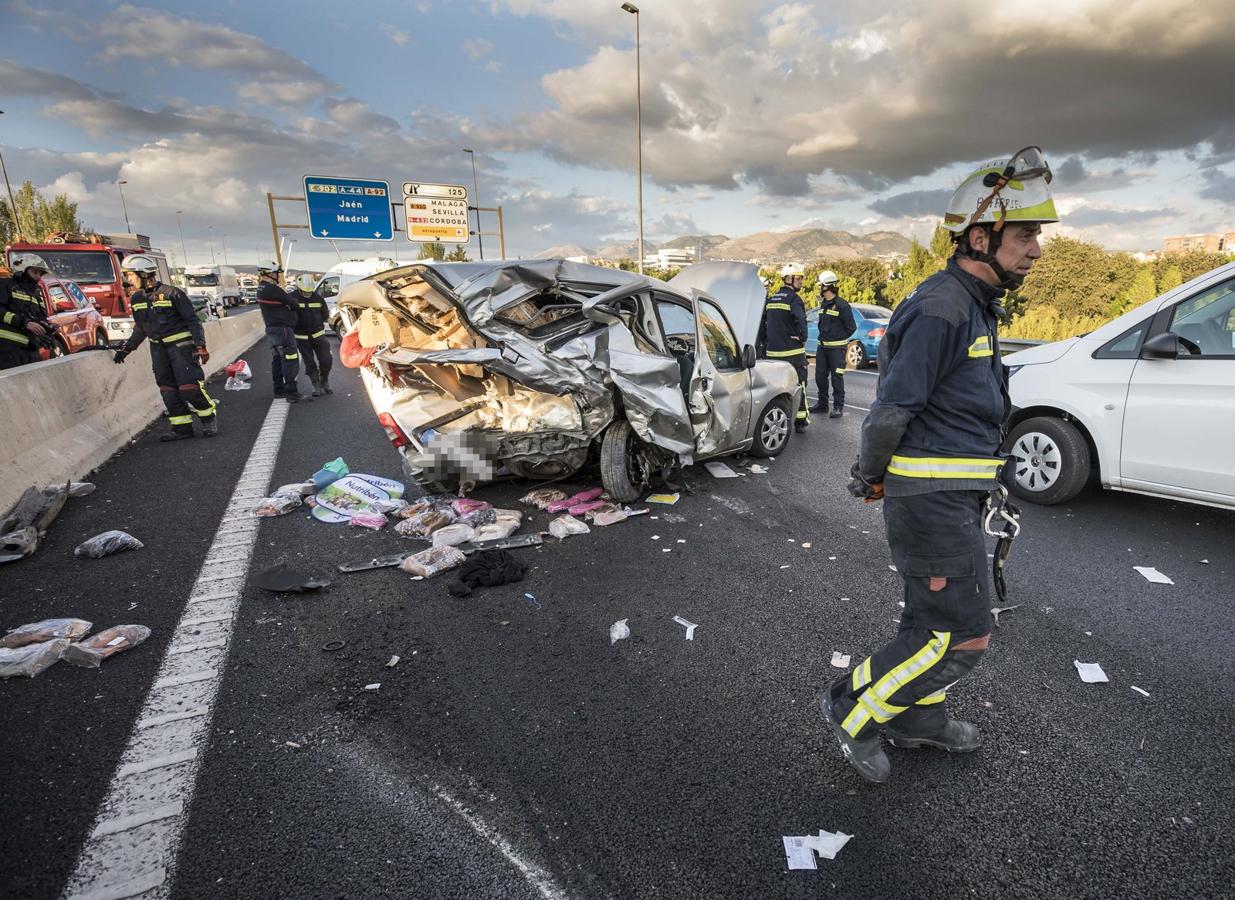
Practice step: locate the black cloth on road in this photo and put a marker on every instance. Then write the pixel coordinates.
(488, 568)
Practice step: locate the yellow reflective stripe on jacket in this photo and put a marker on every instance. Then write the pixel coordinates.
(981, 347)
(873, 703)
(302, 337)
(15, 336)
(172, 338)
(10, 318)
(843, 343)
(943, 467)
(137, 306)
(166, 303)
(778, 354)
(22, 295)
(785, 306)
(833, 312)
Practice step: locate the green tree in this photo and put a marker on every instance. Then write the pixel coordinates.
(1190, 264)
(920, 265)
(1172, 278)
(432, 250)
(941, 243)
(1142, 290)
(457, 255)
(1077, 278)
(36, 216)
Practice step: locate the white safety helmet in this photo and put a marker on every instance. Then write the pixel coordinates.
(790, 269)
(305, 282)
(1017, 190)
(22, 261)
(268, 267)
(139, 263)
(827, 278)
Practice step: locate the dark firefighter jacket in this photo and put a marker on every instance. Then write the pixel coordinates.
(165, 315)
(782, 334)
(278, 307)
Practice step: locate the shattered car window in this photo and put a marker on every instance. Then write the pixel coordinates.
(678, 323)
(536, 314)
(722, 345)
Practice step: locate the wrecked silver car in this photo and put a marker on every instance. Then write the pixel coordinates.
(531, 368)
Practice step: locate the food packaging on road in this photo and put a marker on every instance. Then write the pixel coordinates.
(48, 629)
(330, 473)
(430, 562)
(107, 543)
(31, 659)
(91, 652)
(564, 526)
(278, 505)
(422, 525)
(374, 521)
(453, 535)
(542, 497)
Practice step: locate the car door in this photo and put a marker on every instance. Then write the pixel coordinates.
(62, 310)
(1179, 425)
(720, 386)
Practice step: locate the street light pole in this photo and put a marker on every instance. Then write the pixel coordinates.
(210, 240)
(183, 250)
(634, 10)
(476, 202)
(12, 202)
(127, 227)
(225, 262)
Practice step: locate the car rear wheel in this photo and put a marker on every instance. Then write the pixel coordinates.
(100, 338)
(773, 430)
(1050, 459)
(620, 467)
(58, 348)
(855, 355)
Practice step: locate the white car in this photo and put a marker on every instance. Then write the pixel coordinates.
(1147, 400)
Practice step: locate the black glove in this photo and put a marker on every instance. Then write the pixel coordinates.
(870, 491)
(119, 355)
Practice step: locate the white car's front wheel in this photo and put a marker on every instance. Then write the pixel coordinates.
(1051, 460)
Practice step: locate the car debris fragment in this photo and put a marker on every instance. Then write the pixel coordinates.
(618, 631)
(1152, 575)
(282, 579)
(1091, 673)
(689, 626)
(106, 544)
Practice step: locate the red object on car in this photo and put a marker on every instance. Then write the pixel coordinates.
(351, 354)
(78, 323)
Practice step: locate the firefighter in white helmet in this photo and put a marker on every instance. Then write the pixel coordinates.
(24, 325)
(836, 327)
(931, 446)
(782, 333)
(280, 315)
(311, 333)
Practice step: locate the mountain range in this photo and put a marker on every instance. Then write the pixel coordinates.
(764, 246)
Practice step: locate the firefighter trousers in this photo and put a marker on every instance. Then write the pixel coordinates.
(182, 384)
(830, 366)
(284, 359)
(939, 548)
(802, 367)
(315, 351)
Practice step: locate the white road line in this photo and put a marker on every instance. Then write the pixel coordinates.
(132, 849)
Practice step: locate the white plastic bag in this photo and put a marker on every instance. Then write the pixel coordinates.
(107, 543)
(80, 488)
(236, 384)
(429, 562)
(278, 505)
(47, 630)
(31, 659)
(453, 535)
(565, 525)
(505, 523)
(300, 489)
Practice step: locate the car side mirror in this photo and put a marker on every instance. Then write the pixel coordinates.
(64, 306)
(1167, 345)
(748, 357)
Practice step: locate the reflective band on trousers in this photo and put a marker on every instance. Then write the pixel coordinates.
(873, 702)
(309, 337)
(291, 356)
(834, 343)
(172, 338)
(840, 371)
(180, 420)
(777, 354)
(943, 467)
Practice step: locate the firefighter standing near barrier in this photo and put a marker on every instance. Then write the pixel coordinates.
(783, 332)
(280, 314)
(311, 335)
(24, 325)
(164, 315)
(931, 452)
(836, 326)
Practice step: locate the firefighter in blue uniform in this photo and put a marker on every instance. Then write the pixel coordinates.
(930, 451)
(280, 315)
(836, 326)
(782, 333)
(311, 334)
(24, 325)
(164, 315)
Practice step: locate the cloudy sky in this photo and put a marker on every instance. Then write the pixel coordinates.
(851, 114)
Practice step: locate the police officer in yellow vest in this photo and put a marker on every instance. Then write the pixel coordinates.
(164, 315)
(836, 326)
(783, 332)
(931, 445)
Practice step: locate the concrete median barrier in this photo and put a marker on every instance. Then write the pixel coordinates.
(61, 418)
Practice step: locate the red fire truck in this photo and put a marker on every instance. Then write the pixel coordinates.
(93, 261)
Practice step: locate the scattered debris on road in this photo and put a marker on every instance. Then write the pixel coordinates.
(618, 631)
(330, 472)
(392, 662)
(997, 611)
(664, 499)
(720, 470)
(532, 600)
(1152, 575)
(1091, 673)
(281, 579)
(840, 660)
(565, 525)
(26, 522)
(758, 469)
(374, 521)
(48, 629)
(1141, 691)
(374, 686)
(332, 646)
(91, 652)
(488, 568)
(800, 851)
(80, 489)
(19, 543)
(689, 626)
(278, 505)
(107, 543)
(31, 659)
(428, 563)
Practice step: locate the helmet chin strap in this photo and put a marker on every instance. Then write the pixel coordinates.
(1007, 280)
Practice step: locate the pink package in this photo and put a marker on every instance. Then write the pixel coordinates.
(376, 521)
(581, 497)
(464, 506)
(580, 509)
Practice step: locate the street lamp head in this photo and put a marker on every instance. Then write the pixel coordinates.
(468, 150)
(121, 182)
(631, 8)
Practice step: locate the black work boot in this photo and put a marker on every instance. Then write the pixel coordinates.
(210, 425)
(866, 756)
(177, 435)
(326, 384)
(837, 412)
(920, 727)
(819, 407)
(317, 389)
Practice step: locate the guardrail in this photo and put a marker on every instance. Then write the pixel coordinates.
(1011, 345)
(63, 417)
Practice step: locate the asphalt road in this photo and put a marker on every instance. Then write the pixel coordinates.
(514, 752)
